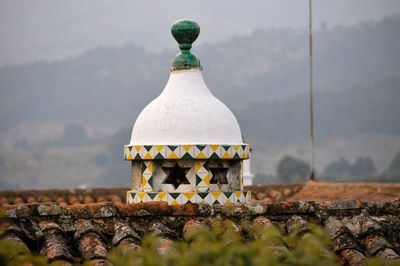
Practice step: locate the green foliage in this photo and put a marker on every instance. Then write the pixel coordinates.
(292, 170)
(224, 243)
(14, 254)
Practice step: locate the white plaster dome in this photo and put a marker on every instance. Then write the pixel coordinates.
(186, 112)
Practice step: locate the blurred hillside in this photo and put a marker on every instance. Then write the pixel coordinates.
(262, 77)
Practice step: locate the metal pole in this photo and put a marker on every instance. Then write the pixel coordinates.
(310, 80)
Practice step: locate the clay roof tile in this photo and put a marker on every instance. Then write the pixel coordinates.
(55, 246)
(18, 200)
(122, 231)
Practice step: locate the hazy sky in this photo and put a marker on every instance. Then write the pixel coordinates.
(56, 29)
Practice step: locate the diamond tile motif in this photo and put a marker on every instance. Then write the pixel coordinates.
(159, 152)
(171, 152)
(130, 196)
(136, 152)
(174, 198)
(177, 198)
(226, 151)
(203, 197)
(162, 196)
(203, 176)
(127, 153)
(247, 196)
(246, 152)
(200, 152)
(217, 197)
(153, 196)
(230, 197)
(190, 151)
(140, 197)
(146, 152)
(239, 196)
(147, 175)
(214, 151)
(186, 151)
(236, 151)
(188, 197)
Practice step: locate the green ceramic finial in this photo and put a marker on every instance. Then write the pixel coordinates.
(185, 33)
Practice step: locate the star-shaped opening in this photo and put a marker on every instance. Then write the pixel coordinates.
(219, 176)
(176, 175)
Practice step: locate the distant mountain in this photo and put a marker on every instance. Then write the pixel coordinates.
(114, 84)
(262, 77)
(374, 109)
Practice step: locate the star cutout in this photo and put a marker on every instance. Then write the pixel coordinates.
(219, 176)
(176, 175)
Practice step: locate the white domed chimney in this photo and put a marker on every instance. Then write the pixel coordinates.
(186, 145)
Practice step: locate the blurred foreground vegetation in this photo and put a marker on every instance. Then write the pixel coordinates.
(223, 243)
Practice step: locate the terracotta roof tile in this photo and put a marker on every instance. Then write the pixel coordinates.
(127, 244)
(101, 199)
(68, 196)
(123, 232)
(262, 220)
(91, 246)
(274, 193)
(322, 191)
(317, 191)
(55, 246)
(352, 257)
(296, 225)
(89, 231)
(69, 226)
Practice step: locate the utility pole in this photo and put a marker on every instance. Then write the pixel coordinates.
(310, 91)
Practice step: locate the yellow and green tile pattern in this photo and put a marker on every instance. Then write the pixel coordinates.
(203, 176)
(190, 151)
(177, 198)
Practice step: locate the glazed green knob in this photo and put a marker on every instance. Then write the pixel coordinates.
(185, 33)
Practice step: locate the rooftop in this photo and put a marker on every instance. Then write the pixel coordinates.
(76, 225)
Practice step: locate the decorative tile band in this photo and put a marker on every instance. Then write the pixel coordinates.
(147, 175)
(202, 176)
(177, 198)
(192, 151)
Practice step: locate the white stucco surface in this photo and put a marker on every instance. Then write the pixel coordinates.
(247, 175)
(186, 112)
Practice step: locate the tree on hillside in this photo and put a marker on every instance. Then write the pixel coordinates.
(291, 170)
(337, 169)
(394, 166)
(117, 169)
(363, 167)
(73, 135)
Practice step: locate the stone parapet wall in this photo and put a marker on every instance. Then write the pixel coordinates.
(319, 210)
(74, 233)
